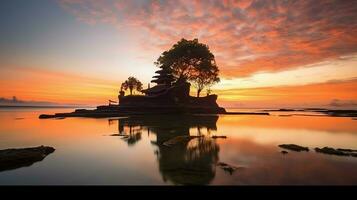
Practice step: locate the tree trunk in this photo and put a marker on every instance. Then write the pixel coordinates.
(131, 91)
(198, 92)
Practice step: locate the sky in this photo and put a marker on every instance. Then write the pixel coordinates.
(283, 53)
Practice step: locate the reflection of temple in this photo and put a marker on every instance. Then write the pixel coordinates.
(186, 163)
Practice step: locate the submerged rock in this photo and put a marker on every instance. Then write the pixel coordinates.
(228, 168)
(44, 116)
(180, 140)
(331, 151)
(284, 152)
(294, 147)
(119, 135)
(16, 158)
(347, 150)
(219, 136)
(340, 113)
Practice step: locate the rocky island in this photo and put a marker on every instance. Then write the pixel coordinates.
(187, 63)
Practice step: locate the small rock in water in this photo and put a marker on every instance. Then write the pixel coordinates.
(331, 151)
(219, 136)
(118, 135)
(44, 116)
(228, 168)
(284, 152)
(347, 150)
(294, 147)
(353, 154)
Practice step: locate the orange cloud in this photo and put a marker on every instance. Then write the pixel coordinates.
(320, 94)
(246, 36)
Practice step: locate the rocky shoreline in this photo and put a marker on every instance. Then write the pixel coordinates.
(120, 111)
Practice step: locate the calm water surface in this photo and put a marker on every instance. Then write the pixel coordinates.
(86, 154)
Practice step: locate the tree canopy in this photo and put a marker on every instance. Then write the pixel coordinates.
(131, 84)
(191, 61)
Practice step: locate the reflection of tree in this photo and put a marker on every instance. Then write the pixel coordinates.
(134, 135)
(131, 133)
(192, 162)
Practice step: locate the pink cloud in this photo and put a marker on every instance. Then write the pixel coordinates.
(246, 36)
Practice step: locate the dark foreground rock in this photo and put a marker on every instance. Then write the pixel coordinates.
(332, 151)
(294, 147)
(16, 158)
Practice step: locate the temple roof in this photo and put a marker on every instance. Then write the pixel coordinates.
(160, 80)
(155, 89)
(165, 70)
(163, 76)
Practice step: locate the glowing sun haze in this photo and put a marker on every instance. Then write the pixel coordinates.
(284, 53)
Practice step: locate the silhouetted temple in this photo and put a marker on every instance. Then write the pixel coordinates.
(168, 96)
(163, 82)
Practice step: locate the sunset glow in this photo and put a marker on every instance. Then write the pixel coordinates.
(270, 53)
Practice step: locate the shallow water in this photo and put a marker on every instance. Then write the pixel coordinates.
(86, 154)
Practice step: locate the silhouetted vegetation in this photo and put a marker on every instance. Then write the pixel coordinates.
(191, 61)
(131, 84)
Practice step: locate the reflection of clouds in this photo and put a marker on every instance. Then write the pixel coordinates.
(266, 165)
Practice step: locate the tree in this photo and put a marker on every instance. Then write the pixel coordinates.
(131, 84)
(190, 61)
(205, 76)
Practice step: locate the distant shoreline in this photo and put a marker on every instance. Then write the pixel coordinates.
(29, 106)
